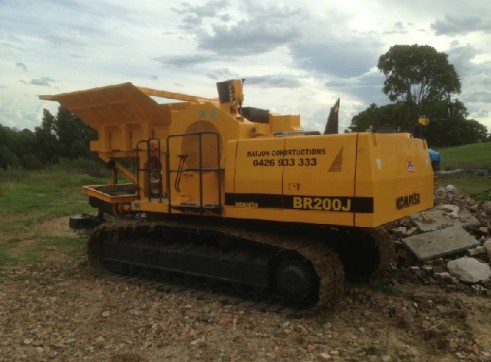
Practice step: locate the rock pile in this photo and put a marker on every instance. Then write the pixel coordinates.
(449, 244)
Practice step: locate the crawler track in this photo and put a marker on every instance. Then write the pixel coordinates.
(299, 256)
(297, 266)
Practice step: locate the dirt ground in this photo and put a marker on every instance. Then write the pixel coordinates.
(61, 311)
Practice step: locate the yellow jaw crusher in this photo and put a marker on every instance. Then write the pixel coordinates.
(240, 195)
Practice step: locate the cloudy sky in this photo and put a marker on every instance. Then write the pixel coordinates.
(296, 57)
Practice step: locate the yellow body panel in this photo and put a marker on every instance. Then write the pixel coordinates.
(204, 156)
(395, 170)
(358, 179)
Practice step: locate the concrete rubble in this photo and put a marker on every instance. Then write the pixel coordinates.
(469, 270)
(449, 244)
(438, 243)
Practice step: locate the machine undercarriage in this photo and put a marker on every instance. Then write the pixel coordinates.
(297, 265)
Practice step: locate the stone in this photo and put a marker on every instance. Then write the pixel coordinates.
(28, 341)
(451, 188)
(469, 270)
(100, 340)
(476, 251)
(443, 277)
(198, 342)
(411, 231)
(487, 245)
(400, 231)
(454, 210)
(467, 219)
(486, 205)
(427, 270)
(438, 243)
(479, 289)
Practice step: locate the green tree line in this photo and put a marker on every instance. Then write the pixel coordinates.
(63, 136)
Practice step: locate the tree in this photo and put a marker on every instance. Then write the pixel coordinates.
(418, 74)
(400, 115)
(8, 158)
(420, 81)
(73, 135)
(453, 129)
(444, 129)
(47, 147)
(63, 136)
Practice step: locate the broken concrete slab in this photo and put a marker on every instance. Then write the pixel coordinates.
(469, 270)
(432, 220)
(467, 219)
(435, 219)
(438, 243)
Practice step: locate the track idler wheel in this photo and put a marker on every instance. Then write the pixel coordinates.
(297, 282)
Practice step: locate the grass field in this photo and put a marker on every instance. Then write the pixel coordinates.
(477, 186)
(32, 204)
(467, 157)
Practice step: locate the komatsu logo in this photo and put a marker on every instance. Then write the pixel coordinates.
(406, 201)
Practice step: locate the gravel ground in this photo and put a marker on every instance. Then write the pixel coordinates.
(62, 312)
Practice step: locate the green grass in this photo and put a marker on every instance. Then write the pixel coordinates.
(30, 198)
(466, 156)
(5, 257)
(52, 191)
(476, 186)
(37, 252)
